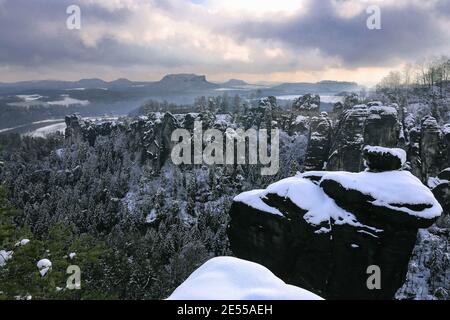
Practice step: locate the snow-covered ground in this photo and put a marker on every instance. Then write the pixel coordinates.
(35, 99)
(30, 124)
(228, 278)
(44, 131)
(323, 98)
(68, 101)
(29, 97)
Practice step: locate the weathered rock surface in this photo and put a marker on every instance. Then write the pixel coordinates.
(319, 142)
(322, 230)
(431, 147)
(382, 126)
(442, 193)
(348, 140)
(149, 137)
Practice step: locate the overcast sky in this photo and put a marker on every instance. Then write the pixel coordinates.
(253, 40)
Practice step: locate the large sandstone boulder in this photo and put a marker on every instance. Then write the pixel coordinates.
(322, 230)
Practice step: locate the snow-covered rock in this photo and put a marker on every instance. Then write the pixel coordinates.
(390, 189)
(319, 142)
(321, 230)
(22, 243)
(384, 159)
(228, 278)
(393, 191)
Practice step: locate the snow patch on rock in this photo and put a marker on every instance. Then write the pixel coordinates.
(395, 152)
(391, 189)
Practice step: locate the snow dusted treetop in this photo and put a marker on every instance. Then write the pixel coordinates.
(228, 278)
(5, 256)
(44, 266)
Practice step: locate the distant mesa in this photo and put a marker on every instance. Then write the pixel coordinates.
(183, 77)
(184, 82)
(235, 83)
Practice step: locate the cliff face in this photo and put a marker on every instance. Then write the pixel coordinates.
(319, 142)
(148, 137)
(322, 230)
(371, 124)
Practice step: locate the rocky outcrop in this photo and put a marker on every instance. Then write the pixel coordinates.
(348, 140)
(149, 137)
(431, 147)
(383, 159)
(441, 191)
(78, 129)
(74, 131)
(322, 230)
(413, 153)
(263, 115)
(382, 126)
(367, 124)
(319, 142)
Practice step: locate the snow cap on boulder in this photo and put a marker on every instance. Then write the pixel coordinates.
(380, 159)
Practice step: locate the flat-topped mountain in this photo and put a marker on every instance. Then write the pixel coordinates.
(184, 82)
(235, 83)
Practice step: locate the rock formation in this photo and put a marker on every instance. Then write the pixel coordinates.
(322, 230)
(319, 142)
(348, 140)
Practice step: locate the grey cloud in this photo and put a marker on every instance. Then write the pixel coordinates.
(407, 33)
(33, 34)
